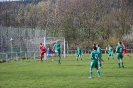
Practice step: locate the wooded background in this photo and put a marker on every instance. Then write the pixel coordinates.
(81, 22)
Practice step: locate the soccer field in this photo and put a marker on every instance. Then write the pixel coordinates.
(70, 74)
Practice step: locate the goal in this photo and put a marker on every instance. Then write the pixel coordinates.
(50, 41)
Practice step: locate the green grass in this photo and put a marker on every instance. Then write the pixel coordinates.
(70, 74)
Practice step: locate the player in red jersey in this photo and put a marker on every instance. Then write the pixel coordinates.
(125, 50)
(42, 51)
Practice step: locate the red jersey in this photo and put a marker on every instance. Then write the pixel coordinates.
(124, 49)
(42, 49)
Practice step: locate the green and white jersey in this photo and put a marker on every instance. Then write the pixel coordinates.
(110, 50)
(79, 51)
(99, 50)
(119, 49)
(57, 46)
(94, 55)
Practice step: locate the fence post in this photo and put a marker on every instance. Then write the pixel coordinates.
(6, 57)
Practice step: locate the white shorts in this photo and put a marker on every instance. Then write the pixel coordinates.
(50, 55)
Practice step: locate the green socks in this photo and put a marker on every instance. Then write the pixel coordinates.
(98, 72)
(90, 73)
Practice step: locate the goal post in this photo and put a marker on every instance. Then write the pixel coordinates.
(52, 40)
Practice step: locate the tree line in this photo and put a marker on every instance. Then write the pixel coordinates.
(81, 22)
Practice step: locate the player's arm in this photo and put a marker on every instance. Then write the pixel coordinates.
(91, 56)
(116, 50)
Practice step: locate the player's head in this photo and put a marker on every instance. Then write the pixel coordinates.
(123, 43)
(94, 48)
(97, 45)
(109, 45)
(57, 42)
(94, 44)
(40, 43)
(119, 43)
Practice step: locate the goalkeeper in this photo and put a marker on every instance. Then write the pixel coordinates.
(57, 48)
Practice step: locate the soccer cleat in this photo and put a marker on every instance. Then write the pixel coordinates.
(123, 66)
(90, 77)
(119, 67)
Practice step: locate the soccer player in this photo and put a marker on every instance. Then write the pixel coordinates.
(125, 50)
(94, 61)
(50, 53)
(79, 52)
(119, 55)
(42, 51)
(100, 55)
(57, 48)
(110, 51)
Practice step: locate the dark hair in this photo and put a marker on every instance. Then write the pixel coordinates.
(119, 42)
(94, 47)
(94, 44)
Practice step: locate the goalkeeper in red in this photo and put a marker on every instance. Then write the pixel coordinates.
(57, 48)
(42, 51)
(125, 50)
(94, 61)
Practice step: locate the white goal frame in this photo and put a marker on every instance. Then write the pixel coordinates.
(58, 39)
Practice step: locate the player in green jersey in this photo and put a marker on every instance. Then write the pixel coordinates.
(79, 52)
(99, 50)
(119, 54)
(94, 61)
(110, 51)
(57, 48)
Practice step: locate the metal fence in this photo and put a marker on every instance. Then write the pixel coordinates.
(35, 54)
(20, 39)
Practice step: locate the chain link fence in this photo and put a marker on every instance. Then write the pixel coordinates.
(19, 42)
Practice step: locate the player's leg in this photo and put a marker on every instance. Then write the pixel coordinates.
(91, 66)
(41, 56)
(80, 57)
(59, 57)
(77, 57)
(98, 71)
(100, 62)
(112, 56)
(128, 55)
(108, 56)
(47, 57)
(52, 57)
(118, 57)
(121, 61)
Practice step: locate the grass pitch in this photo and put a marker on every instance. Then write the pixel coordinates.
(70, 74)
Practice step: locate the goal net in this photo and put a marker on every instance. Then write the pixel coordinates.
(50, 41)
